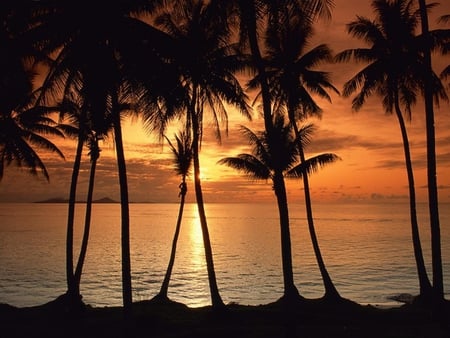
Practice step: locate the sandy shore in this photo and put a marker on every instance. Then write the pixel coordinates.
(307, 319)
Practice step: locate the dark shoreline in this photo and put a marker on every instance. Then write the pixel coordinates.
(306, 319)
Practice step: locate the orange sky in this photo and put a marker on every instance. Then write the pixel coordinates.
(369, 143)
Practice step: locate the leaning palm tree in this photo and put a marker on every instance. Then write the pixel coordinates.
(207, 64)
(394, 72)
(94, 133)
(293, 79)
(94, 154)
(80, 126)
(182, 159)
(274, 156)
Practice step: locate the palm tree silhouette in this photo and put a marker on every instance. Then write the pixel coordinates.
(394, 72)
(207, 65)
(292, 80)
(21, 132)
(22, 123)
(94, 154)
(433, 203)
(90, 135)
(250, 16)
(96, 53)
(274, 156)
(182, 159)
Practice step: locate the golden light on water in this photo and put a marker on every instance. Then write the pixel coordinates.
(196, 240)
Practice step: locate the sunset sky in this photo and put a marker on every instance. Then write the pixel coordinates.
(369, 143)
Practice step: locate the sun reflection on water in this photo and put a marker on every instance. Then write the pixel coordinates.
(196, 241)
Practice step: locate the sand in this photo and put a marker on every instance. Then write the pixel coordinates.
(306, 318)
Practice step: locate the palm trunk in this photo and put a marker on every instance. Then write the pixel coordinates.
(125, 218)
(330, 290)
(165, 285)
(424, 282)
(87, 225)
(290, 290)
(72, 290)
(433, 203)
(216, 299)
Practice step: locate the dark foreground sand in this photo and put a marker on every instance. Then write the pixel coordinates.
(307, 319)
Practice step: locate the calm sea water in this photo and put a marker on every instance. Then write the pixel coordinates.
(366, 247)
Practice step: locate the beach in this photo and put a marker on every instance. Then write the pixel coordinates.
(376, 279)
(310, 318)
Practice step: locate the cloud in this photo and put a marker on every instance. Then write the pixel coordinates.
(378, 197)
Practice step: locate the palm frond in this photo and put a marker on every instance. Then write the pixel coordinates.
(249, 165)
(312, 165)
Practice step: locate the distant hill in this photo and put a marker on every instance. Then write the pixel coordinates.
(53, 200)
(105, 200)
(65, 200)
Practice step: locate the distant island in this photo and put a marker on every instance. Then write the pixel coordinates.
(65, 200)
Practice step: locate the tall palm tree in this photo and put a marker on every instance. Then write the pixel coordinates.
(91, 135)
(433, 202)
(94, 154)
(207, 64)
(182, 159)
(81, 127)
(274, 156)
(91, 44)
(293, 79)
(394, 72)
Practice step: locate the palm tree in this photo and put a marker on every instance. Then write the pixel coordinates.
(22, 125)
(21, 131)
(91, 135)
(206, 63)
(433, 203)
(274, 156)
(394, 72)
(80, 126)
(253, 14)
(182, 158)
(92, 46)
(292, 80)
(94, 154)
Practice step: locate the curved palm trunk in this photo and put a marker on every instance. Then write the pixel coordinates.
(424, 282)
(216, 299)
(433, 203)
(125, 218)
(72, 290)
(87, 225)
(330, 289)
(290, 291)
(165, 285)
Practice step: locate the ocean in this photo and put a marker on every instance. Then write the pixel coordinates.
(367, 249)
